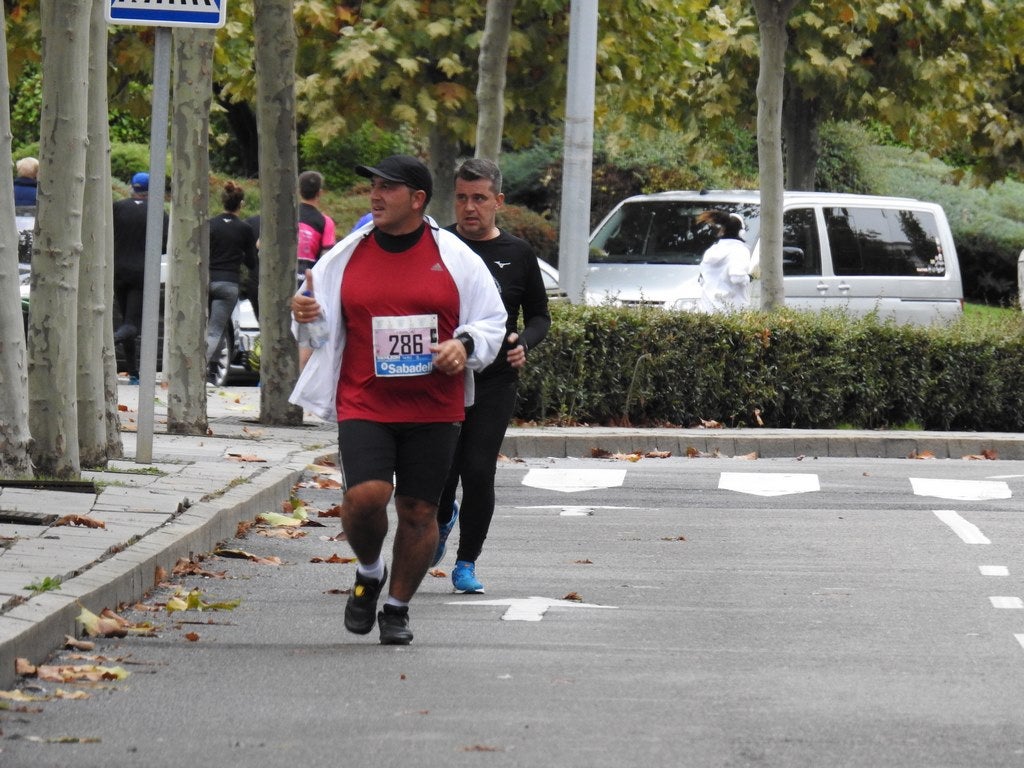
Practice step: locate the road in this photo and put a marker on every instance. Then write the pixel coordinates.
(722, 612)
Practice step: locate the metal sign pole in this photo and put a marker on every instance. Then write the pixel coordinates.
(154, 233)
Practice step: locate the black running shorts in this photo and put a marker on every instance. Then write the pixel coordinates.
(415, 458)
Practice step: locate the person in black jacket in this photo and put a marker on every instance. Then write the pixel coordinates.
(513, 265)
(232, 243)
(130, 216)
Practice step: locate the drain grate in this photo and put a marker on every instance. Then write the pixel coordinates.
(27, 518)
(74, 486)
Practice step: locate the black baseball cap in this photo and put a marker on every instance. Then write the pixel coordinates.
(404, 169)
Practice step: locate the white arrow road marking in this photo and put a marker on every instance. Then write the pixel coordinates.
(530, 608)
(1004, 477)
(960, 490)
(1007, 602)
(572, 480)
(574, 511)
(768, 483)
(994, 570)
(968, 532)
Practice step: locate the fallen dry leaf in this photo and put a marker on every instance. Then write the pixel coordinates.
(437, 573)
(253, 432)
(588, 561)
(191, 568)
(78, 645)
(335, 558)
(710, 424)
(243, 528)
(281, 533)
(276, 519)
(80, 673)
(193, 601)
(694, 453)
(920, 455)
(159, 575)
(245, 457)
(192, 636)
(60, 693)
(20, 696)
(122, 408)
(748, 456)
(673, 538)
(574, 597)
(82, 520)
(600, 453)
(24, 667)
(986, 455)
(242, 554)
(658, 454)
(334, 511)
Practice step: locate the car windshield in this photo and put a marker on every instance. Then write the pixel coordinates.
(663, 232)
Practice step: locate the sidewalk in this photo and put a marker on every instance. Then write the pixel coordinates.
(199, 488)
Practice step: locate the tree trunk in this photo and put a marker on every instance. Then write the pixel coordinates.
(490, 85)
(801, 119)
(772, 16)
(14, 434)
(187, 287)
(276, 47)
(444, 150)
(96, 387)
(57, 250)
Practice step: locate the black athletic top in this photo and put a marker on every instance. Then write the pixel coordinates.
(513, 264)
(232, 243)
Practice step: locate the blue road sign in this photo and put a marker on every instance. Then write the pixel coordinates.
(168, 13)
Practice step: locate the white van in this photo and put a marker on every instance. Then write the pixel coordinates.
(890, 255)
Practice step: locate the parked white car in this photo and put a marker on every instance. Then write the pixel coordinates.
(894, 256)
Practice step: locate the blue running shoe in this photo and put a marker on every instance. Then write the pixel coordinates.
(443, 532)
(464, 578)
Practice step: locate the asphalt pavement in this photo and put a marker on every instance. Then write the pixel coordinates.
(132, 518)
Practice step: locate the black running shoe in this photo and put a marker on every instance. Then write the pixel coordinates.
(362, 603)
(394, 625)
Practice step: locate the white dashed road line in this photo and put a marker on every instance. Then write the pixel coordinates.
(994, 570)
(1006, 602)
(968, 532)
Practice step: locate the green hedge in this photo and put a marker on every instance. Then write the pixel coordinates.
(616, 366)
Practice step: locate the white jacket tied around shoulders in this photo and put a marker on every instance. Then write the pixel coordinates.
(725, 277)
(481, 314)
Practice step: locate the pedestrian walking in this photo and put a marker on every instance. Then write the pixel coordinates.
(513, 264)
(26, 182)
(130, 217)
(232, 244)
(411, 312)
(725, 267)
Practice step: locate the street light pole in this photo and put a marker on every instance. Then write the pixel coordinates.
(578, 158)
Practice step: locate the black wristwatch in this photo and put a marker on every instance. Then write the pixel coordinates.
(467, 342)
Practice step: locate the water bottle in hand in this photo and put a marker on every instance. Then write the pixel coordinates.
(315, 332)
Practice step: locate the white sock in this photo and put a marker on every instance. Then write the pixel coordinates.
(396, 602)
(373, 570)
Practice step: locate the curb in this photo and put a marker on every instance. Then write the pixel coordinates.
(35, 628)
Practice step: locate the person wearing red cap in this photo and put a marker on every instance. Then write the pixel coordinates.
(411, 312)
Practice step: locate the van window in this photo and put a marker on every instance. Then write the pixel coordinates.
(661, 232)
(801, 246)
(884, 241)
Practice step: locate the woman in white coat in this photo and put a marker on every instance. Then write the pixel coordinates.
(725, 266)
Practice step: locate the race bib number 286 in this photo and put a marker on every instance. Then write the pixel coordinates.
(401, 345)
